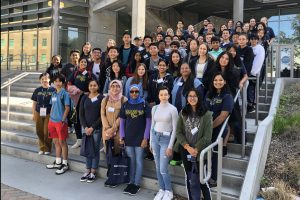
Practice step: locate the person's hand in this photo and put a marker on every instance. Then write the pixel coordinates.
(144, 143)
(169, 152)
(110, 132)
(89, 131)
(122, 141)
(192, 151)
(241, 85)
(34, 117)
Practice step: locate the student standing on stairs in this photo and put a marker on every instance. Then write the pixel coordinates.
(58, 127)
(55, 68)
(162, 137)
(89, 114)
(41, 112)
(193, 133)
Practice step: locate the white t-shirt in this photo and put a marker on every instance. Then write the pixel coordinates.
(200, 70)
(96, 70)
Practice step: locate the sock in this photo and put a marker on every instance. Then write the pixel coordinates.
(58, 160)
(65, 162)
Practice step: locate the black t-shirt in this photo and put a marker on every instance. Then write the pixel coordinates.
(42, 96)
(81, 79)
(135, 122)
(68, 70)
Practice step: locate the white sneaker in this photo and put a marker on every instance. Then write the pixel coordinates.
(159, 195)
(102, 150)
(168, 195)
(47, 153)
(77, 144)
(40, 152)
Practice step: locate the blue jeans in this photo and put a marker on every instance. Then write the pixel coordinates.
(93, 163)
(159, 146)
(136, 163)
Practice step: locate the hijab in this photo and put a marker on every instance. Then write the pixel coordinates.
(139, 99)
(116, 97)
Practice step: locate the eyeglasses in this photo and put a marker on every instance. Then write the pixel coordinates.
(193, 97)
(134, 91)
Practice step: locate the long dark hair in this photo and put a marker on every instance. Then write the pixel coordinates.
(189, 83)
(236, 60)
(172, 67)
(201, 107)
(132, 64)
(112, 73)
(212, 90)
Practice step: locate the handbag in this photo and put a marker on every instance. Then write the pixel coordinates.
(118, 166)
(87, 148)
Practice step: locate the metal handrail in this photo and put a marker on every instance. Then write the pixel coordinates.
(8, 84)
(208, 150)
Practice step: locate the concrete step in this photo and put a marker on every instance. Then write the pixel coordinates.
(261, 115)
(29, 80)
(269, 92)
(263, 100)
(17, 108)
(31, 85)
(17, 116)
(16, 126)
(77, 164)
(17, 94)
(24, 88)
(237, 149)
(264, 107)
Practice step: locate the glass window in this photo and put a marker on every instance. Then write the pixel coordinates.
(43, 58)
(11, 57)
(4, 3)
(15, 46)
(44, 38)
(73, 19)
(28, 18)
(46, 15)
(17, 10)
(30, 7)
(11, 43)
(11, 2)
(4, 12)
(29, 48)
(73, 8)
(4, 21)
(46, 4)
(34, 42)
(32, 59)
(2, 43)
(44, 42)
(15, 20)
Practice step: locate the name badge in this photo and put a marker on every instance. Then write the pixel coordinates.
(145, 56)
(94, 99)
(242, 58)
(160, 80)
(111, 109)
(180, 83)
(194, 130)
(189, 157)
(84, 72)
(53, 99)
(165, 133)
(43, 112)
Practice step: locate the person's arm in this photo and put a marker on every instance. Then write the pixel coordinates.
(152, 124)
(180, 132)
(220, 119)
(227, 106)
(207, 129)
(174, 124)
(258, 61)
(33, 110)
(248, 60)
(147, 129)
(104, 119)
(122, 128)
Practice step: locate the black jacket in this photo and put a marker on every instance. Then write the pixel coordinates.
(133, 49)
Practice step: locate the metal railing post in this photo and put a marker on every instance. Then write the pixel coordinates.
(219, 175)
(266, 77)
(257, 98)
(244, 104)
(7, 99)
(271, 62)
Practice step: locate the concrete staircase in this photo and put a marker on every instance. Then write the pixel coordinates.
(18, 138)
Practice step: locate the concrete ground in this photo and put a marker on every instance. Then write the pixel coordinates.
(35, 179)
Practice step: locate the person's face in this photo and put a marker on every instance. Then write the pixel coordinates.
(219, 82)
(93, 87)
(253, 42)
(176, 39)
(159, 37)
(153, 50)
(182, 43)
(238, 29)
(225, 35)
(140, 42)
(230, 23)
(58, 83)
(126, 39)
(115, 89)
(141, 71)
(238, 24)
(45, 81)
(174, 47)
(170, 32)
(185, 70)
(260, 27)
(243, 40)
(260, 34)
(86, 49)
(179, 25)
(195, 34)
(192, 98)
(200, 39)
(208, 38)
(168, 41)
(215, 45)
(82, 64)
(210, 27)
(113, 53)
(223, 27)
(232, 51)
(224, 60)
(116, 68)
(235, 39)
(96, 55)
(159, 29)
(246, 27)
(205, 22)
(111, 43)
(134, 93)
(252, 22)
(178, 32)
(147, 42)
(193, 46)
(137, 57)
(264, 20)
(190, 28)
(75, 57)
(55, 60)
(163, 96)
(161, 46)
(175, 58)
(162, 67)
(136, 43)
(202, 50)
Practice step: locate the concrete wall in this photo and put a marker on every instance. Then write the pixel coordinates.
(102, 26)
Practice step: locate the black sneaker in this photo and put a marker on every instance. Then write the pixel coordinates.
(224, 151)
(110, 185)
(54, 165)
(91, 178)
(128, 188)
(85, 177)
(212, 183)
(250, 109)
(135, 189)
(63, 168)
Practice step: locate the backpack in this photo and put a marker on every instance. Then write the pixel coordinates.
(72, 115)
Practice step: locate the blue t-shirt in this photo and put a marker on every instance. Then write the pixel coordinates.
(42, 97)
(59, 101)
(125, 56)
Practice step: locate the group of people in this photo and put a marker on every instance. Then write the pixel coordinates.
(165, 96)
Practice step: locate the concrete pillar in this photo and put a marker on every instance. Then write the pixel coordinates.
(55, 27)
(238, 10)
(138, 17)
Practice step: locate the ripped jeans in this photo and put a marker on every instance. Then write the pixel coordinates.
(159, 146)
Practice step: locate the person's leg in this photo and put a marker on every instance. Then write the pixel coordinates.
(97, 139)
(40, 131)
(64, 148)
(251, 92)
(206, 191)
(48, 141)
(187, 168)
(164, 162)
(77, 125)
(139, 152)
(156, 154)
(131, 154)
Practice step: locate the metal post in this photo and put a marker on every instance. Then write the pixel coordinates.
(257, 98)
(266, 77)
(244, 100)
(220, 157)
(271, 62)
(278, 63)
(7, 99)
